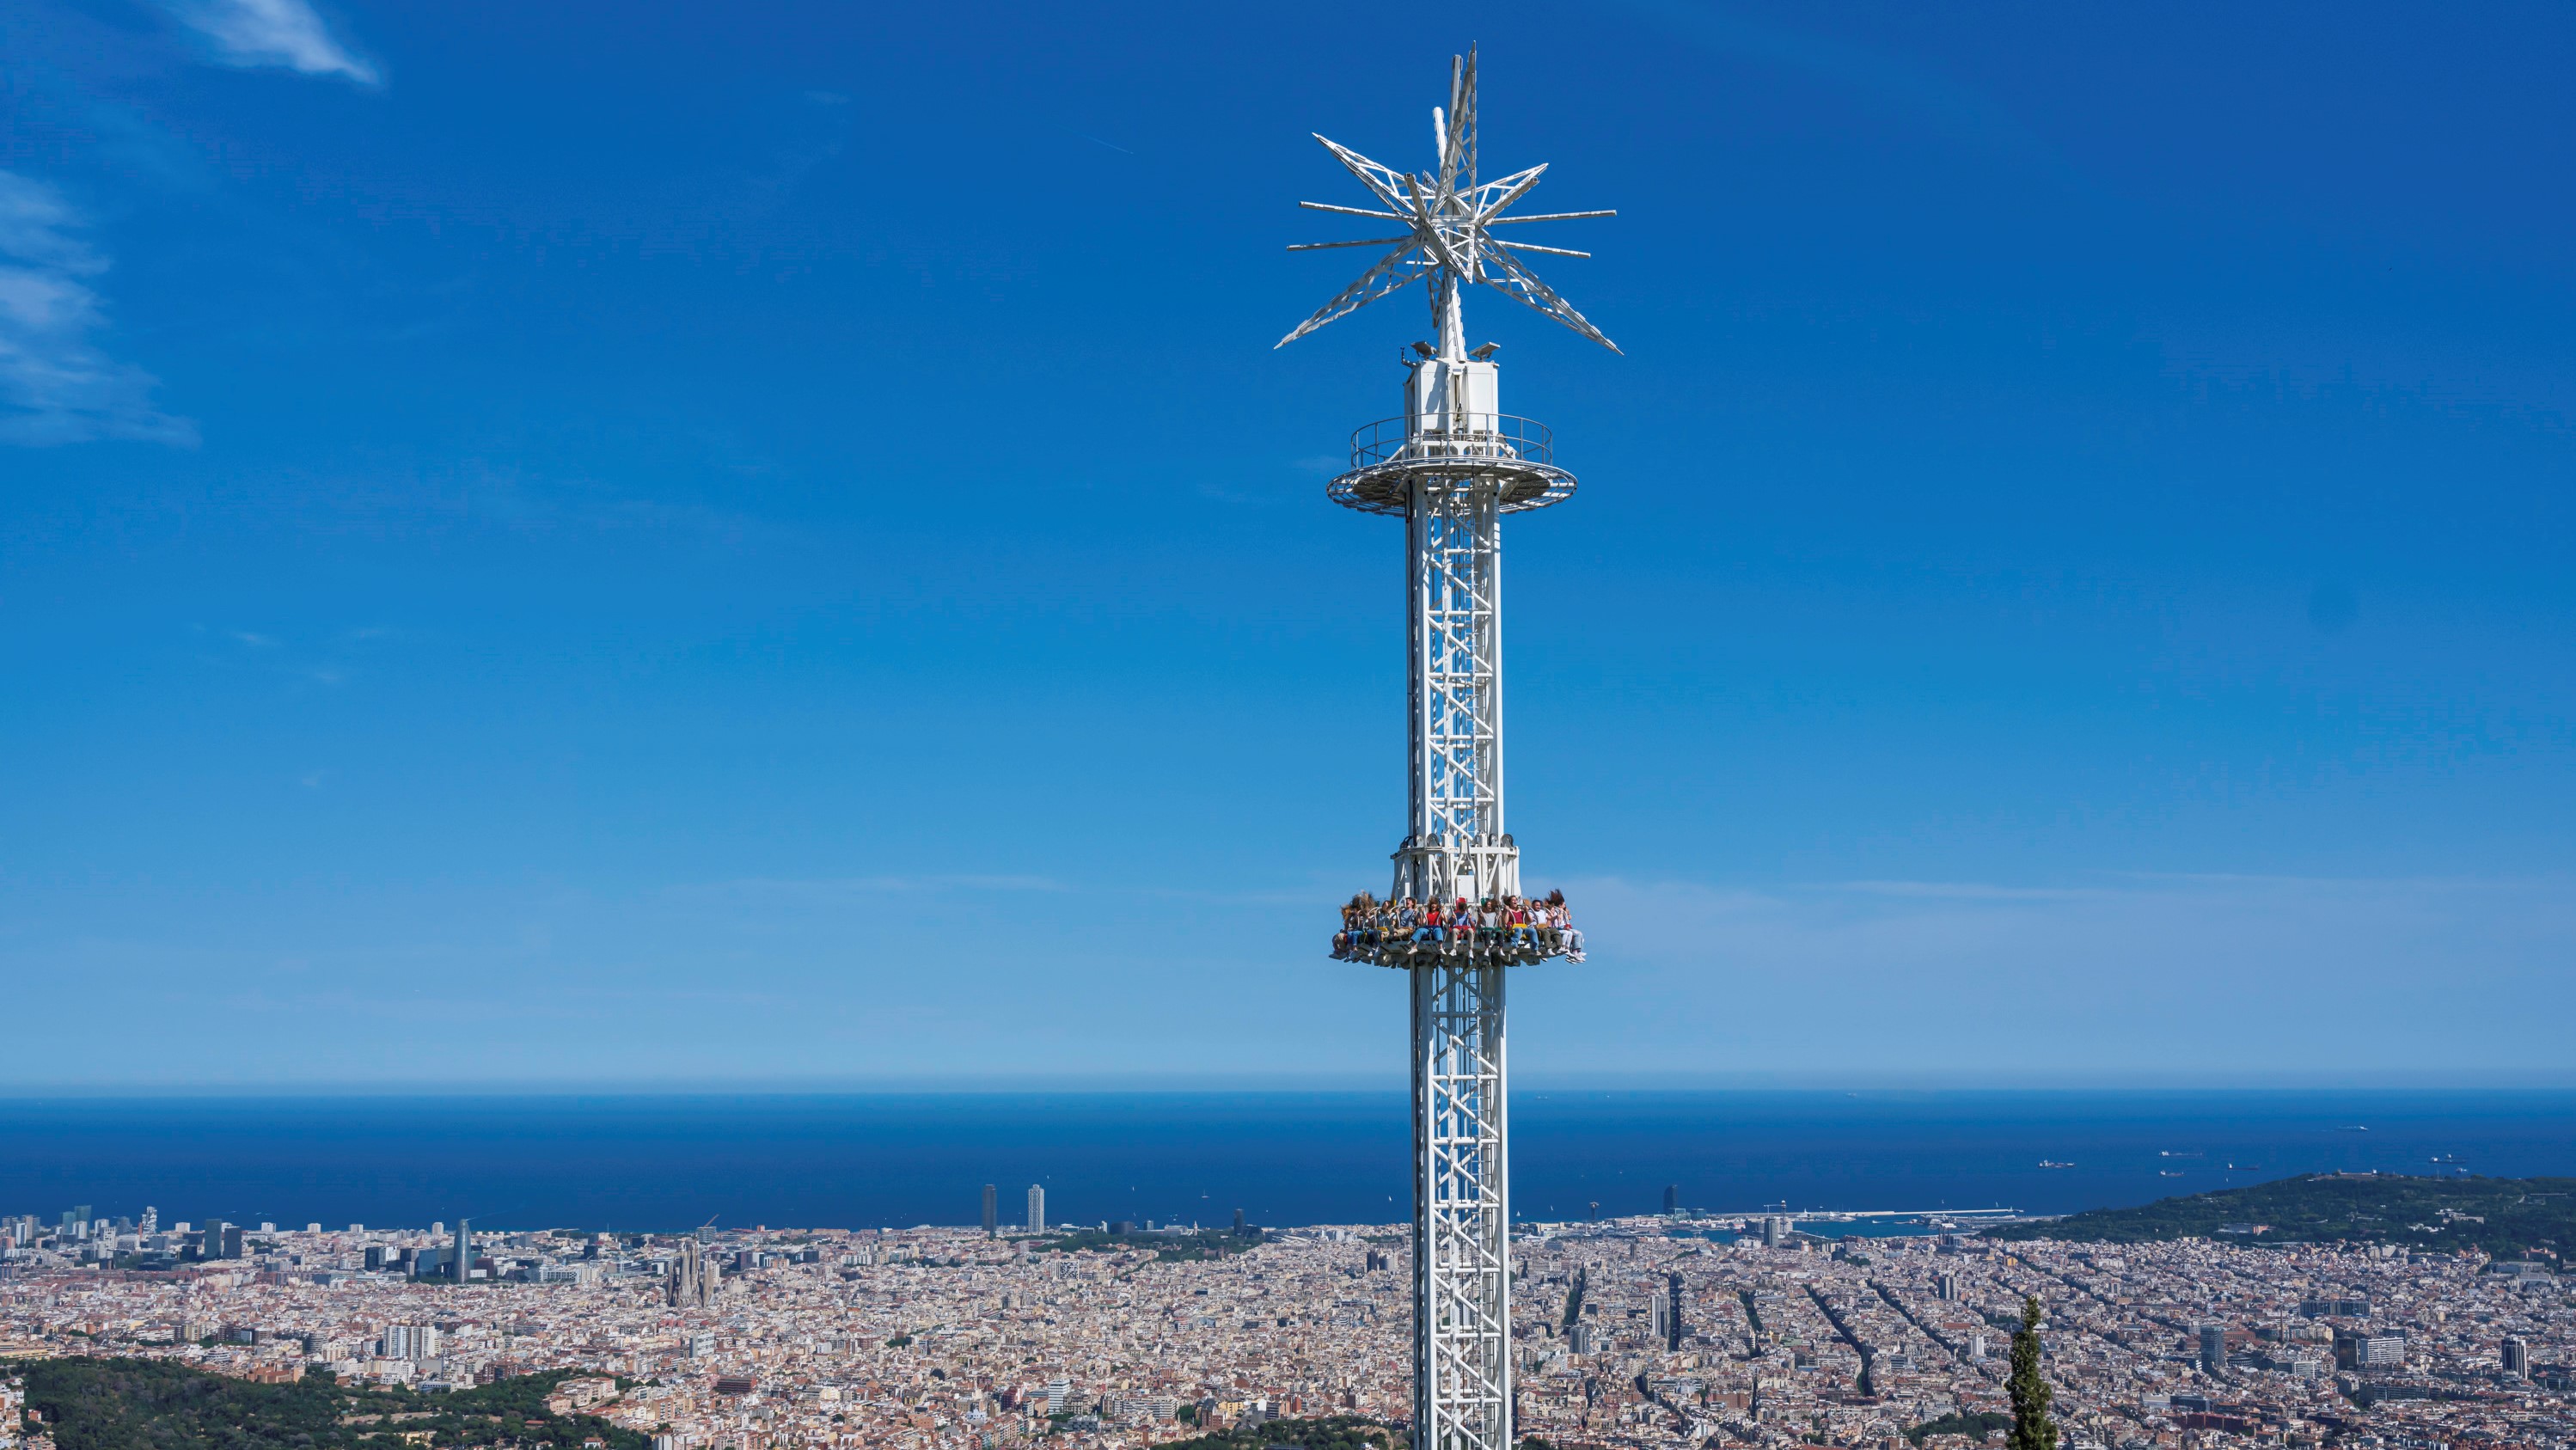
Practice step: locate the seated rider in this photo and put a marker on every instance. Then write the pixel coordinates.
(1497, 923)
(1355, 925)
(1572, 938)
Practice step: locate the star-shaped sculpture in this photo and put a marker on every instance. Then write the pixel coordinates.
(1451, 217)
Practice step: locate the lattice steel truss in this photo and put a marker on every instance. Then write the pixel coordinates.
(1462, 1271)
(1454, 542)
(1451, 467)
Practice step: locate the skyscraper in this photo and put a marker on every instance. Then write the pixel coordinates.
(2213, 1349)
(1037, 1208)
(464, 1256)
(1672, 1198)
(2516, 1357)
(1667, 1313)
(992, 1212)
(410, 1341)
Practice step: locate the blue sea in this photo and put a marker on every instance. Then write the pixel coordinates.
(1284, 1158)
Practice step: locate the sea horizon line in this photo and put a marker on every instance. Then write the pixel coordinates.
(1337, 1084)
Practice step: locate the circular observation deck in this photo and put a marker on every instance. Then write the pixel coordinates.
(1514, 455)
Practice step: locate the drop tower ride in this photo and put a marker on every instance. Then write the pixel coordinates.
(1451, 466)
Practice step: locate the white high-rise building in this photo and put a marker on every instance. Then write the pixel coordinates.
(411, 1341)
(1037, 1208)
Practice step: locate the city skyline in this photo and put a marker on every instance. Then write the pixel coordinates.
(1631, 1337)
(535, 563)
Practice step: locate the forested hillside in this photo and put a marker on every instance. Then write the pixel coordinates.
(2504, 1217)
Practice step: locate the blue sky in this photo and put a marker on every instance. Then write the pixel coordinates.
(769, 542)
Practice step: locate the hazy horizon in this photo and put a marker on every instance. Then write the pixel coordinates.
(1885, 1086)
(1286, 1157)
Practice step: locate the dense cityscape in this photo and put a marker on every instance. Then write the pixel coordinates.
(1670, 1330)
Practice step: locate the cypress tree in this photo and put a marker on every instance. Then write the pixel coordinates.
(2032, 1429)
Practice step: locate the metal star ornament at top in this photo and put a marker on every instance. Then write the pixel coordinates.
(1450, 217)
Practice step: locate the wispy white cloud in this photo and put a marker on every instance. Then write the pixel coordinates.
(2126, 972)
(1965, 891)
(274, 32)
(843, 887)
(56, 384)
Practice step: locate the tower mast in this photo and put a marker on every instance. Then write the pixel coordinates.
(1451, 466)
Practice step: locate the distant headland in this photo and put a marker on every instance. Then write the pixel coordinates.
(2504, 1218)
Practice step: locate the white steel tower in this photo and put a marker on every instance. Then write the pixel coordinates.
(1451, 467)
